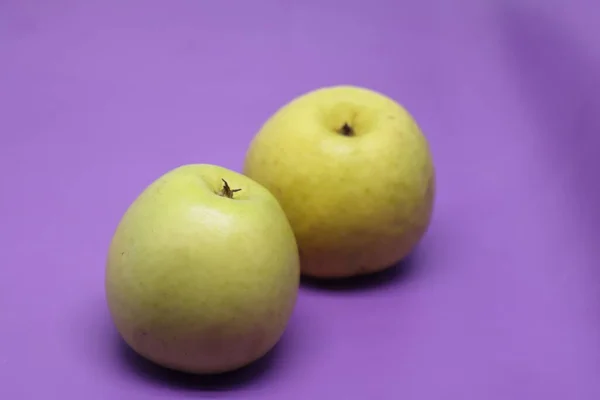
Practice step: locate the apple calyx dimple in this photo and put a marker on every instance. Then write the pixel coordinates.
(226, 191)
(346, 130)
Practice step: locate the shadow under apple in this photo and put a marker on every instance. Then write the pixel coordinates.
(396, 273)
(228, 381)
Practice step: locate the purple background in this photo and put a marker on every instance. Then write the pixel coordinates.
(500, 301)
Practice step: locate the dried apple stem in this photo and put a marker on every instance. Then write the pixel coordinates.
(346, 130)
(226, 191)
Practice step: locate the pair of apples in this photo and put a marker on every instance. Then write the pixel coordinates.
(204, 268)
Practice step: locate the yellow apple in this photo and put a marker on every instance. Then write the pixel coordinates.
(203, 271)
(354, 175)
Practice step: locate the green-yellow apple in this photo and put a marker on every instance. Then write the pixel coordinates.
(354, 175)
(203, 271)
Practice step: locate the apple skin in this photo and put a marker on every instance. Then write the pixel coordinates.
(198, 282)
(358, 201)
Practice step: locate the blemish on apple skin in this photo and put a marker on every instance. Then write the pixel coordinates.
(139, 335)
(122, 253)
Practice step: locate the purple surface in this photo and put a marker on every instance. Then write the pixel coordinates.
(501, 300)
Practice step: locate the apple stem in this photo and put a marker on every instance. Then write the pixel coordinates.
(227, 191)
(346, 130)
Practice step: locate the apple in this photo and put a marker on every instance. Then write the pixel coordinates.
(203, 271)
(354, 174)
